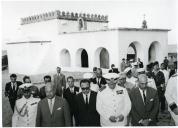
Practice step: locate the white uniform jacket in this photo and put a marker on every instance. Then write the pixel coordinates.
(113, 103)
(25, 112)
(171, 95)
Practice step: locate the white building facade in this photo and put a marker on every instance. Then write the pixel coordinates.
(78, 42)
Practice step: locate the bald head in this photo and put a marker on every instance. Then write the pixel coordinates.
(50, 90)
(142, 81)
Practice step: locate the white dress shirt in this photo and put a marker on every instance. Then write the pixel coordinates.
(141, 92)
(49, 103)
(84, 97)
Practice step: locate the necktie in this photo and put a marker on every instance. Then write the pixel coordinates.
(144, 97)
(13, 87)
(86, 101)
(51, 106)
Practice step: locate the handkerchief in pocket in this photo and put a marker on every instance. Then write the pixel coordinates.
(59, 108)
(151, 99)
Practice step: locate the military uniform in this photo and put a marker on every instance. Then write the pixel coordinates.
(113, 103)
(25, 112)
(171, 95)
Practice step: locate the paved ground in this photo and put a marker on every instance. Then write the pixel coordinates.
(164, 119)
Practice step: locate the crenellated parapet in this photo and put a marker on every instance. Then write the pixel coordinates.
(64, 15)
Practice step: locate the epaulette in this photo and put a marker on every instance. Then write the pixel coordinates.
(102, 88)
(174, 75)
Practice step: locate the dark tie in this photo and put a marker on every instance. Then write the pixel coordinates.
(86, 101)
(13, 87)
(144, 96)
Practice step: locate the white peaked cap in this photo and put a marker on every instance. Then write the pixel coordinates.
(111, 75)
(87, 75)
(25, 85)
(140, 70)
(135, 63)
(127, 69)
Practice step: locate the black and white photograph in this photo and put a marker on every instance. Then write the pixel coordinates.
(96, 63)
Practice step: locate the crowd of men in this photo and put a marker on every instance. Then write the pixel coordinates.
(133, 96)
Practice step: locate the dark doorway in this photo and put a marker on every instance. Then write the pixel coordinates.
(84, 58)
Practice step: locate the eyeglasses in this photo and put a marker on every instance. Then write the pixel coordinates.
(87, 88)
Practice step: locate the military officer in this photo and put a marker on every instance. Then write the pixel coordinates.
(113, 103)
(25, 109)
(171, 95)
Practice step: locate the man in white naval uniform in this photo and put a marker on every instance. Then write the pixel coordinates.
(171, 95)
(113, 102)
(25, 109)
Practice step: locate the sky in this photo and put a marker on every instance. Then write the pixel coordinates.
(121, 13)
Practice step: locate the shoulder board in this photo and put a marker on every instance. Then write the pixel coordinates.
(175, 75)
(33, 103)
(102, 88)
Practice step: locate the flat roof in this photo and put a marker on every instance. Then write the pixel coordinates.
(116, 29)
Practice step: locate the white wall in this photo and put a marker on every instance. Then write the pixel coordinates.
(144, 38)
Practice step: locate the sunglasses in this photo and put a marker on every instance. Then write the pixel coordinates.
(87, 88)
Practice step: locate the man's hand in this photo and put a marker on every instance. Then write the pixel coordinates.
(112, 118)
(145, 122)
(120, 118)
(175, 111)
(6, 94)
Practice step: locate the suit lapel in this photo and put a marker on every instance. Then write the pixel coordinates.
(91, 96)
(46, 104)
(140, 100)
(55, 105)
(148, 94)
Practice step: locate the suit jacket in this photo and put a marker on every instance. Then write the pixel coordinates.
(114, 70)
(140, 110)
(59, 82)
(70, 97)
(86, 116)
(60, 116)
(12, 95)
(102, 81)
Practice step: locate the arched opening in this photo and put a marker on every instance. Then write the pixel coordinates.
(65, 59)
(102, 58)
(82, 58)
(132, 51)
(153, 51)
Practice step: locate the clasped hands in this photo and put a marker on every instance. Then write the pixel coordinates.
(116, 118)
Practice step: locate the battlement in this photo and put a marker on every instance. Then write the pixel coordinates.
(64, 15)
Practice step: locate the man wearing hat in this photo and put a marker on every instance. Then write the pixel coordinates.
(113, 103)
(123, 83)
(25, 109)
(129, 77)
(171, 95)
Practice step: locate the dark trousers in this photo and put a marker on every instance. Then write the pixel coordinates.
(161, 98)
(12, 104)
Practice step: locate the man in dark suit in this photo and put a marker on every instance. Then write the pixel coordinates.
(59, 81)
(11, 90)
(113, 69)
(99, 79)
(53, 111)
(69, 95)
(145, 103)
(47, 79)
(85, 108)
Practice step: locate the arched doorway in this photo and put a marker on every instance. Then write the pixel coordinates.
(82, 58)
(153, 51)
(102, 58)
(133, 50)
(65, 59)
